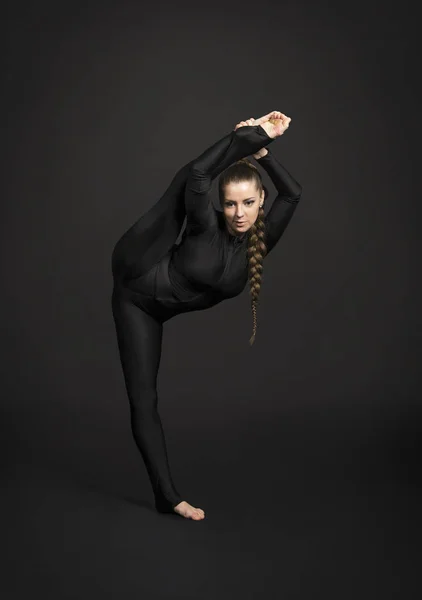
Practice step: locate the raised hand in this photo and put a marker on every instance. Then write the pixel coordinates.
(250, 121)
(275, 123)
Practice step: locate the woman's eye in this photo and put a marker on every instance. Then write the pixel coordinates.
(248, 203)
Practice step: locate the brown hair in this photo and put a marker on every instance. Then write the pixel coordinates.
(244, 170)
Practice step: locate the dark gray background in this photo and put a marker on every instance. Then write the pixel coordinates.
(304, 450)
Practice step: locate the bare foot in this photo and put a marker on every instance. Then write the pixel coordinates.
(188, 511)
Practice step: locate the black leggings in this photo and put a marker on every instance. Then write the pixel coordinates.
(139, 337)
(139, 327)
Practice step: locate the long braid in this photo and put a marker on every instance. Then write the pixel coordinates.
(256, 252)
(244, 170)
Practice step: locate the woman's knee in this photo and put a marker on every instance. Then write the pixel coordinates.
(144, 401)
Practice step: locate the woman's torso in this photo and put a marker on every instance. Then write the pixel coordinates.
(199, 272)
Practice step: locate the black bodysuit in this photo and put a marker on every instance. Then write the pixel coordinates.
(156, 279)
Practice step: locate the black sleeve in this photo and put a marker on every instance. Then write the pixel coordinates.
(286, 201)
(237, 144)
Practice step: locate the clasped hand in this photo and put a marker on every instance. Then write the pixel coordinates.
(274, 123)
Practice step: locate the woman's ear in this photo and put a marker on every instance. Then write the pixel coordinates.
(264, 194)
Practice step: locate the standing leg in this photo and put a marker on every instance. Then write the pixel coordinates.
(139, 338)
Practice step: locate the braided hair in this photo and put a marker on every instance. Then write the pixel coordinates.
(244, 170)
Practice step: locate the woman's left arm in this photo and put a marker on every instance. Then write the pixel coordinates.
(286, 201)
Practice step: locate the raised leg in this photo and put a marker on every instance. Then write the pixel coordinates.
(154, 233)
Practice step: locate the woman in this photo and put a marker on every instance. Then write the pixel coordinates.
(156, 279)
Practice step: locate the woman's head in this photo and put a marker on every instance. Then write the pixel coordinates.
(242, 195)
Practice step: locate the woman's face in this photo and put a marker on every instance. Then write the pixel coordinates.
(241, 205)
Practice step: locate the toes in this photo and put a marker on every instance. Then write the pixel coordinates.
(190, 512)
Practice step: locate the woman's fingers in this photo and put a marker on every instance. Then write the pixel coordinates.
(279, 115)
(250, 121)
(274, 114)
(278, 119)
